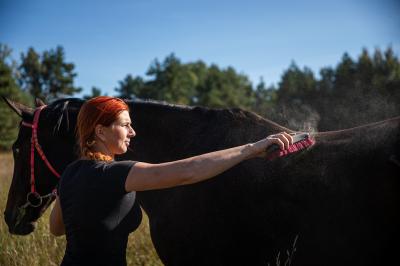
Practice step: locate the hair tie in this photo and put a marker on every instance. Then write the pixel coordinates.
(98, 156)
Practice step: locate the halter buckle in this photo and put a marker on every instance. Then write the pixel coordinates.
(34, 199)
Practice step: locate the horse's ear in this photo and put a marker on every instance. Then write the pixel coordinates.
(39, 102)
(18, 107)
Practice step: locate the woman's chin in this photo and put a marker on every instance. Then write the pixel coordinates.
(127, 147)
(122, 150)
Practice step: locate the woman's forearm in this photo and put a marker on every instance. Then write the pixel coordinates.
(145, 176)
(207, 165)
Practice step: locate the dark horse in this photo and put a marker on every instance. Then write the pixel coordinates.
(340, 199)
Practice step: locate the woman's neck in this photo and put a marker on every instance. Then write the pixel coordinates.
(101, 149)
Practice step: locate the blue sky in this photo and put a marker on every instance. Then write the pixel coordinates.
(106, 40)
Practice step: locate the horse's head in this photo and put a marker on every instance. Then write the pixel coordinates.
(41, 153)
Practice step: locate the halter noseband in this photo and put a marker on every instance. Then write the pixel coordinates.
(33, 194)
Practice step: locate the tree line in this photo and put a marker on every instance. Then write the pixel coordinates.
(354, 92)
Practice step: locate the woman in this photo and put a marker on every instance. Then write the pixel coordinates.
(96, 204)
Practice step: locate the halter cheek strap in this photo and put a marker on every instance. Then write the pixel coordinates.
(33, 198)
(35, 144)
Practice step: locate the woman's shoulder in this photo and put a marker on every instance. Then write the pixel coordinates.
(116, 167)
(119, 163)
(79, 163)
(86, 165)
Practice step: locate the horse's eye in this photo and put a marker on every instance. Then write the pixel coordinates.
(16, 150)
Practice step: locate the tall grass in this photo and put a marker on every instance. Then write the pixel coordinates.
(41, 248)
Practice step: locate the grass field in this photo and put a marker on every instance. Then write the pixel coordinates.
(41, 248)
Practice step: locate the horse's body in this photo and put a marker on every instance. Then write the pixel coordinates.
(340, 197)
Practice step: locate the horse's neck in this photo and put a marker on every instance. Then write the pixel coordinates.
(365, 148)
(217, 128)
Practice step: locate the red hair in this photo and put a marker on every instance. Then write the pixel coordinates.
(102, 110)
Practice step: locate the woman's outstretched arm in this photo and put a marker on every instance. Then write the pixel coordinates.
(145, 176)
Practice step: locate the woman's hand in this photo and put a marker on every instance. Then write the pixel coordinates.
(282, 139)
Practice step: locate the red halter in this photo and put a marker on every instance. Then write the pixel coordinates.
(35, 144)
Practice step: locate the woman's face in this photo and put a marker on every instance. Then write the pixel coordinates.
(118, 134)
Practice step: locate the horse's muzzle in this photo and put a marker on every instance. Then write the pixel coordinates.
(21, 228)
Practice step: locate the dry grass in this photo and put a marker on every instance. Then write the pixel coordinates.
(41, 248)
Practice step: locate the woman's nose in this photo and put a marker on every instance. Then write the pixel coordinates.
(132, 132)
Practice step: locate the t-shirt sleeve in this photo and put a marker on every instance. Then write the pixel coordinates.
(114, 176)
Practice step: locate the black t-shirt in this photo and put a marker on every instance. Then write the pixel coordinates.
(98, 213)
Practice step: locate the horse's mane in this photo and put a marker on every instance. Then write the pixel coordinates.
(151, 102)
(59, 112)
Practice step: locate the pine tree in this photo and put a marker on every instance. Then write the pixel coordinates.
(95, 92)
(131, 88)
(47, 76)
(8, 88)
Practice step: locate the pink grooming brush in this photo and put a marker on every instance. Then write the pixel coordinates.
(300, 142)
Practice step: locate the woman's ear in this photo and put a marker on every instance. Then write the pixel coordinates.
(99, 131)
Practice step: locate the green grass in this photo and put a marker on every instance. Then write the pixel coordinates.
(41, 248)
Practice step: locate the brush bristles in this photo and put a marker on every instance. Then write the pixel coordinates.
(295, 147)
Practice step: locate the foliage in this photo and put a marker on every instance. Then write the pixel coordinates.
(130, 87)
(225, 88)
(9, 89)
(355, 92)
(191, 83)
(359, 91)
(47, 76)
(95, 92)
